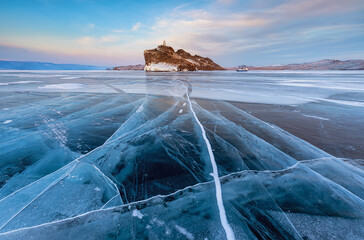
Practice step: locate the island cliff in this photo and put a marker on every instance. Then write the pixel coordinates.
(165, 59)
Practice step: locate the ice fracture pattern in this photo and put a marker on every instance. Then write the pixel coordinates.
(105, 155)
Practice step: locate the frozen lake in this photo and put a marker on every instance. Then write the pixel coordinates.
(197, 155)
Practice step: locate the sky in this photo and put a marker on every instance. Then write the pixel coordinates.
(231, 32)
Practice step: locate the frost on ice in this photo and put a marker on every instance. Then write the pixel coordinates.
(98, 165)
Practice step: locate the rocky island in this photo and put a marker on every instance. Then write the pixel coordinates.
(165, 59)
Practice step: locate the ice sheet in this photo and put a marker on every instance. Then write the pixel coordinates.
(134, 155)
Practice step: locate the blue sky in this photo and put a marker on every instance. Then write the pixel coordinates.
(231, 32)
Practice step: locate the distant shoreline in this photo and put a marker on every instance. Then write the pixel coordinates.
(32, 65)
(323, 65)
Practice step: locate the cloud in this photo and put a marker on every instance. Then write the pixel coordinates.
(296, 8)
(109, 39)
(211, 32)
(208, 33)
(136, 27)
(86, 40)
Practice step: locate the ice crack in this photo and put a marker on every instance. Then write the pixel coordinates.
(224, 222)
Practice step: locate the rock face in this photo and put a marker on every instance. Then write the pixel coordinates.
(165, 59)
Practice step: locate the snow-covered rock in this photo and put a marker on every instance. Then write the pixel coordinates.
(160, 67)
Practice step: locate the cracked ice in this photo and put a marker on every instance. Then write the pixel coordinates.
(152, 155)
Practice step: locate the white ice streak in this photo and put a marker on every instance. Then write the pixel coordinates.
(224, 222)
(106, 177)
(65, 86)
(316, 117)
(109, 201)
(73, 77)
(18, 82)
(31, 74)
(183, 231)
(58, 132)
(140, 108)
(343, 102)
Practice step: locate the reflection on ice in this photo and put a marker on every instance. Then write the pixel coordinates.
(84, 163)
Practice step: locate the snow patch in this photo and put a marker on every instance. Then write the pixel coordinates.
(193, 62)
(137, 213)
(160, 67)
(180, 111)
(158, 222)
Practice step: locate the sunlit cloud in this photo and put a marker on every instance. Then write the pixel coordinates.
(86, 40)
(297, 8)
(136, 26)
(109, 39)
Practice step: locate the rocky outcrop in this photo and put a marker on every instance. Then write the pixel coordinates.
(138, 67)
(165, 59)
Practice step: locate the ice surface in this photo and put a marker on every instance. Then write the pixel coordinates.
(128, 155)
(72, 190)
